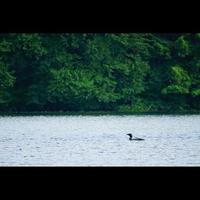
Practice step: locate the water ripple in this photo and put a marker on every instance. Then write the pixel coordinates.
(100, 141)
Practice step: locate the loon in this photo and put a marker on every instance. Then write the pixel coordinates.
(135, 138)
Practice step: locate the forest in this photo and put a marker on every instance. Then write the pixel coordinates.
(122, 72)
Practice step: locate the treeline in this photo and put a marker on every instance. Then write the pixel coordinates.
(136, 72)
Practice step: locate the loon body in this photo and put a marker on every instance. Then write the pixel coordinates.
(135, 138)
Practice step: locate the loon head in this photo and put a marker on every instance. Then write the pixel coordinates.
(130, 136)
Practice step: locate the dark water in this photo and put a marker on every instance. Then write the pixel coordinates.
(100, 140)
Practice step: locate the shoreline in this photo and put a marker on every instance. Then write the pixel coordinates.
(92, 113)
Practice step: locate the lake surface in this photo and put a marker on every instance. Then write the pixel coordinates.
(100, 140)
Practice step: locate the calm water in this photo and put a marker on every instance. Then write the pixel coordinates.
(100, 140)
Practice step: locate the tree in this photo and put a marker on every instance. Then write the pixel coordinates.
(6, 82)
(137, 72)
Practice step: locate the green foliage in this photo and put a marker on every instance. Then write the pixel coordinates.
(6, 78)
(182, 46)
(30, 44)
(175, 89)
(180, 81)
(5, 46)
(137, 106)
(198, 36)
(196, 92)
(6, 82)
(70, 84)
(130, 72)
